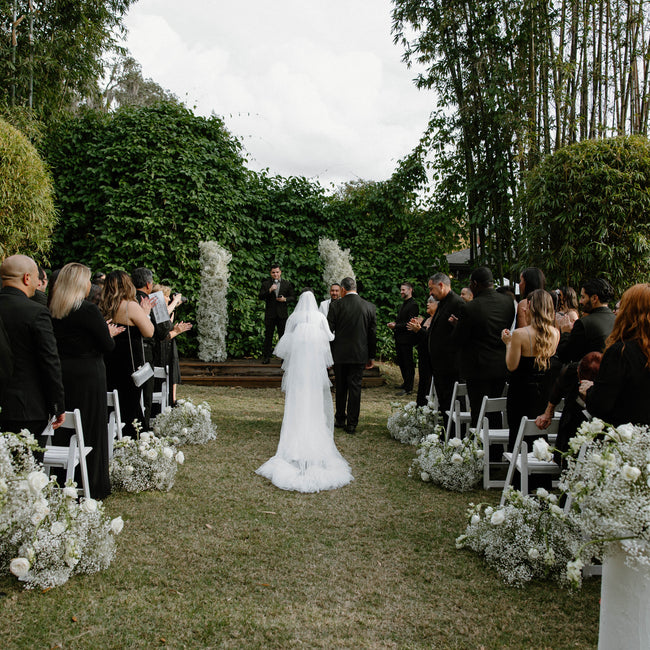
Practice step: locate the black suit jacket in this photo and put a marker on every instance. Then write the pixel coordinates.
(35, 390)
(478, 335)
(275, 308)
(442, 353)
(354, 323)
(589, 334)
(409, 309)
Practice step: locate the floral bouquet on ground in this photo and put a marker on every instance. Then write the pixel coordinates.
(526, 538)
(610, 490)
(456, 464)
(147, 463)
(46, 535)
(191, 424)
(410, 423)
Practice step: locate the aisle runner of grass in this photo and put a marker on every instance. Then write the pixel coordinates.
(225, 560)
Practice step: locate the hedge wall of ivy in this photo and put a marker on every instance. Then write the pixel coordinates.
(142, 186)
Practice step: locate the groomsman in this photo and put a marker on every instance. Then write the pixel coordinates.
(335, 294)
(277, 294)
(405, 340)
(353, 321)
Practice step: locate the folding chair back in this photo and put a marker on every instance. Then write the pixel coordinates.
(493, 436)
(459, 413)
(115, 424)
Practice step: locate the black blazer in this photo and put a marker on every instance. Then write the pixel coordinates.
(621, 390)
(409, 309)
(443, 355)
(478, 335)
(275, 308)
(589, 334)
(354, 323)
(35, 390)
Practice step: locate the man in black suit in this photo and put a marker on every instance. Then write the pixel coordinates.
(277, 294)
(590, 332)
(405, 340)
(33, 396)
(442, 354)
(478, 339)
(353, 321)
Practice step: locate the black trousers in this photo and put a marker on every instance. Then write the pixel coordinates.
(424, 377)
(348, 392)
(406, 364)
(269, 327)
(478, 387)
(444, 390)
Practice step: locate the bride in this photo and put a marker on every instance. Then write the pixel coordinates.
(307, 459)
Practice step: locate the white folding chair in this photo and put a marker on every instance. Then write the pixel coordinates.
(161, 397)
(115, 424)
(459, 412)
(523, 461)
(71, 455)
(492, 436)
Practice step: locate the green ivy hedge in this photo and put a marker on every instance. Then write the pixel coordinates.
(144, 185)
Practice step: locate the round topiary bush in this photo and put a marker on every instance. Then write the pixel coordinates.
(27, 215)
(586, 212)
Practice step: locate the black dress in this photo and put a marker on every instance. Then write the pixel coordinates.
(82, 338)
(119, 367)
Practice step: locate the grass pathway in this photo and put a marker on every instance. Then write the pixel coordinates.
(225, 560)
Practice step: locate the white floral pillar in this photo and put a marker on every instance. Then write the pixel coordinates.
(212, 312)
(337, 262)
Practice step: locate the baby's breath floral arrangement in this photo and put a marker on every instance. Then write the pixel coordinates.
(610, 491)
(455, 464)
(144, 463)
(46, 535)
(527, 538)
(188, 423)
(410, 423)
(337, 263)
(212, 310)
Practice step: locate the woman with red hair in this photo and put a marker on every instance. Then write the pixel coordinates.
(621, 391)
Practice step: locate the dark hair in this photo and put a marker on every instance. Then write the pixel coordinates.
(274, 265)
(41, 273)
(349, 284)
(589, 366)
(555, 297)
(335, 284)
(406, 284)
(534, 279)
(98, 277)
(141, 277)
(306, 289)
(506, 290)
(483, 277)
(569, 298)
(599, 287)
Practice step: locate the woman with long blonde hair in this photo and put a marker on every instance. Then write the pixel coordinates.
(83, 337)
(621, 391)
(529, 351)
(119, 304)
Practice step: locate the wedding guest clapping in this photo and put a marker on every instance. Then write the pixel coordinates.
(83, 337)
(421, 328)
(119, 305)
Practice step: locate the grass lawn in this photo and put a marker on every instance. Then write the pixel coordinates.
(226, 560)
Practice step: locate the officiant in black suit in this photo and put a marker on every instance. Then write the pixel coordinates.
(353, 321)
(34, 393)
(277, 294)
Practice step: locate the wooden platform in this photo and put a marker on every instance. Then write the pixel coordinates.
(250, 373)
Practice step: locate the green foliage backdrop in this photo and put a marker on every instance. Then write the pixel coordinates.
(144, 185)
(587, 212)
(27, 214)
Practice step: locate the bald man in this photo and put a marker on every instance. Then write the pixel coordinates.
(34, 394)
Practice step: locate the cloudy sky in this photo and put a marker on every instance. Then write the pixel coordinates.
(314, 88)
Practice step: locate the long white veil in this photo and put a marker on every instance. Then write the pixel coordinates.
(307, 458)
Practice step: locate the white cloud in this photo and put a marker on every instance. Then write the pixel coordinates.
(313, 88)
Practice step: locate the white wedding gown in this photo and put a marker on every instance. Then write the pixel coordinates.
(307, 459)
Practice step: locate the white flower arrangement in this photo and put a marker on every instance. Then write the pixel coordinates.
(527, 538)
(46, 535)
(212, 310)
(146, 463)
(187, 422)
(337, 263)
(410, 423)
(455, 464)
(610, 490)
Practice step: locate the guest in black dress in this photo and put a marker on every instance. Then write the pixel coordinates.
(118, 304)
(83, 337)
(421, 329)
(621, 390)
(528, 357)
